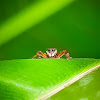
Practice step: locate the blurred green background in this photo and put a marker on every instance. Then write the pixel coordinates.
(74, 26)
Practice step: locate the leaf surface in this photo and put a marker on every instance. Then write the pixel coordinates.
(87, 88)
(40, 78)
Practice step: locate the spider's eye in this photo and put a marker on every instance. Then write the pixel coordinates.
(52, 49)
(49, 50)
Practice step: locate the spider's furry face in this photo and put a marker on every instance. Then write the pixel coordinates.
(51, 52)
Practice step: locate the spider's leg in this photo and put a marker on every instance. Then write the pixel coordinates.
(64, 52)
(40, 53)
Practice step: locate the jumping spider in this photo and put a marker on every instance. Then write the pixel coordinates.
(52, 53)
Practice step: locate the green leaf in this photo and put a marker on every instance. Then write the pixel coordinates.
(41, 78)
(87, 88)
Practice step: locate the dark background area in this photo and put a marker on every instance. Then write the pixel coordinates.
(75, 28)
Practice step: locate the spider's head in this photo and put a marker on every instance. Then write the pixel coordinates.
(51, 52)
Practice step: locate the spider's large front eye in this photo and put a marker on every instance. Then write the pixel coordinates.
(53, 50)
(49, 50)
